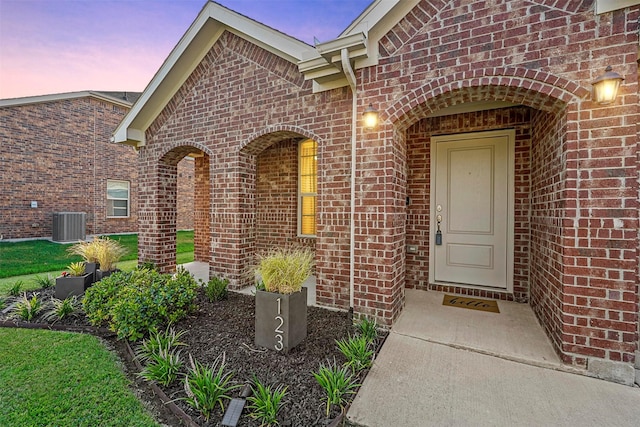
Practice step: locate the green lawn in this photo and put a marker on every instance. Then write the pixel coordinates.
(26, 260)
(63, 379)
(40, 256)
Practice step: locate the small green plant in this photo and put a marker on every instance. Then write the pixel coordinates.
(27, 308)
(358, 352)
(147, 265)
(367, 328)
(62, 309)
(266, 402)
(284, 270)
(2, 303)
(163, 367)
(76, 268)
(208, 387)
(16, 288)
(167, 340)
(216, 289)
(337, 382)
(44, 282)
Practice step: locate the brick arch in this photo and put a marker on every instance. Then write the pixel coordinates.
(178, 150)
(428, 10)
(262, 139)
(533, 88)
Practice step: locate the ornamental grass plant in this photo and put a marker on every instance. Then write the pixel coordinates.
(284, 270)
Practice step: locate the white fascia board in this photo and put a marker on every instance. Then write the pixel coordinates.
(604, 6)
(13, 102)
(203, 33)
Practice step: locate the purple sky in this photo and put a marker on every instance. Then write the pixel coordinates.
(54, 46)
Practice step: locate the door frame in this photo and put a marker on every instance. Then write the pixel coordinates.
(510, 133)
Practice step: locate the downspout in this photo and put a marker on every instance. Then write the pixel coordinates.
(351, 78)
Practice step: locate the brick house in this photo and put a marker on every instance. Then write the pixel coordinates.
(489, 138)
(56, 156)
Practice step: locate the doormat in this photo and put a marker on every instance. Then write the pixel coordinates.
(472, 303)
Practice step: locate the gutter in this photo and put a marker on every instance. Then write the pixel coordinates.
(351, 79)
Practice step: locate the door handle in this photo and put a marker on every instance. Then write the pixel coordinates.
(438, 232)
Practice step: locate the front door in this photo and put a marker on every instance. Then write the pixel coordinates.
(472, 207)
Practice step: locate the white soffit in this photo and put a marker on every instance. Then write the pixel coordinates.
(203, 33)
(13, 102)
(604, 6)
(322, 64)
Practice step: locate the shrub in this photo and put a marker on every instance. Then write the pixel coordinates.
(99, 299)
(16, 288)
(138, 302)
(265, 402)
(207, 387)
(44, 282)
(27, 308)
(61, 309)
(368, 329)
(216, 289)
(358, 352)
(337, 382)
(285, 270)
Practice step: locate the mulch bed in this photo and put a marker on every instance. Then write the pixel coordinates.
(228, 327)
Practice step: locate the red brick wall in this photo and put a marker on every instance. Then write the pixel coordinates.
(221, 110)
(201, 209)
(59, 154)
(582, 158)
(419, 179)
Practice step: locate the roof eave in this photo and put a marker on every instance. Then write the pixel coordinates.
(203, 33)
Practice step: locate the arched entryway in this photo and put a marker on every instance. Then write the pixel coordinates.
(158, 201)
(538, 169)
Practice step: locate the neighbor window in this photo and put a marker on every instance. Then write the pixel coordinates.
(118, 199)
(308, 168)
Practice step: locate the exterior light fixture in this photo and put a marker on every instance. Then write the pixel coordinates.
(605, 87)
(370, 117)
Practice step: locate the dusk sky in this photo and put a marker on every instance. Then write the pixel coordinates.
(56, 46)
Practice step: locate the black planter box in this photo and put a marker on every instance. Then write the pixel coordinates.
(102, 274)
(91, 268)
(281, 320)
(67, 286)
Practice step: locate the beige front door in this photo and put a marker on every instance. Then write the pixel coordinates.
(472, 206)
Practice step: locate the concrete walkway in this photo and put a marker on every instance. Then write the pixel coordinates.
(449, 366)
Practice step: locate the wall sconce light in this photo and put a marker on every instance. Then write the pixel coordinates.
(605, 87)
(370, 118)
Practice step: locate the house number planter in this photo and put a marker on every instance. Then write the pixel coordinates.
(281, 320)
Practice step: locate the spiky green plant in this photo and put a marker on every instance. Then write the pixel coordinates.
(44, 282)
(27, 308)
(284, 270)
(159, 341)
(208, 387)
(357, 351)
(265, 403)
(338, 383)
(61, 309)
(76, 268)
(162, 367)
(367, 328)
(16, 288)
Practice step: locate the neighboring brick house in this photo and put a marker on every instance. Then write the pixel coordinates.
(489, 139)
(56, 156)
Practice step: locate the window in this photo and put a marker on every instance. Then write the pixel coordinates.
(307, 189)
(118, 199)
